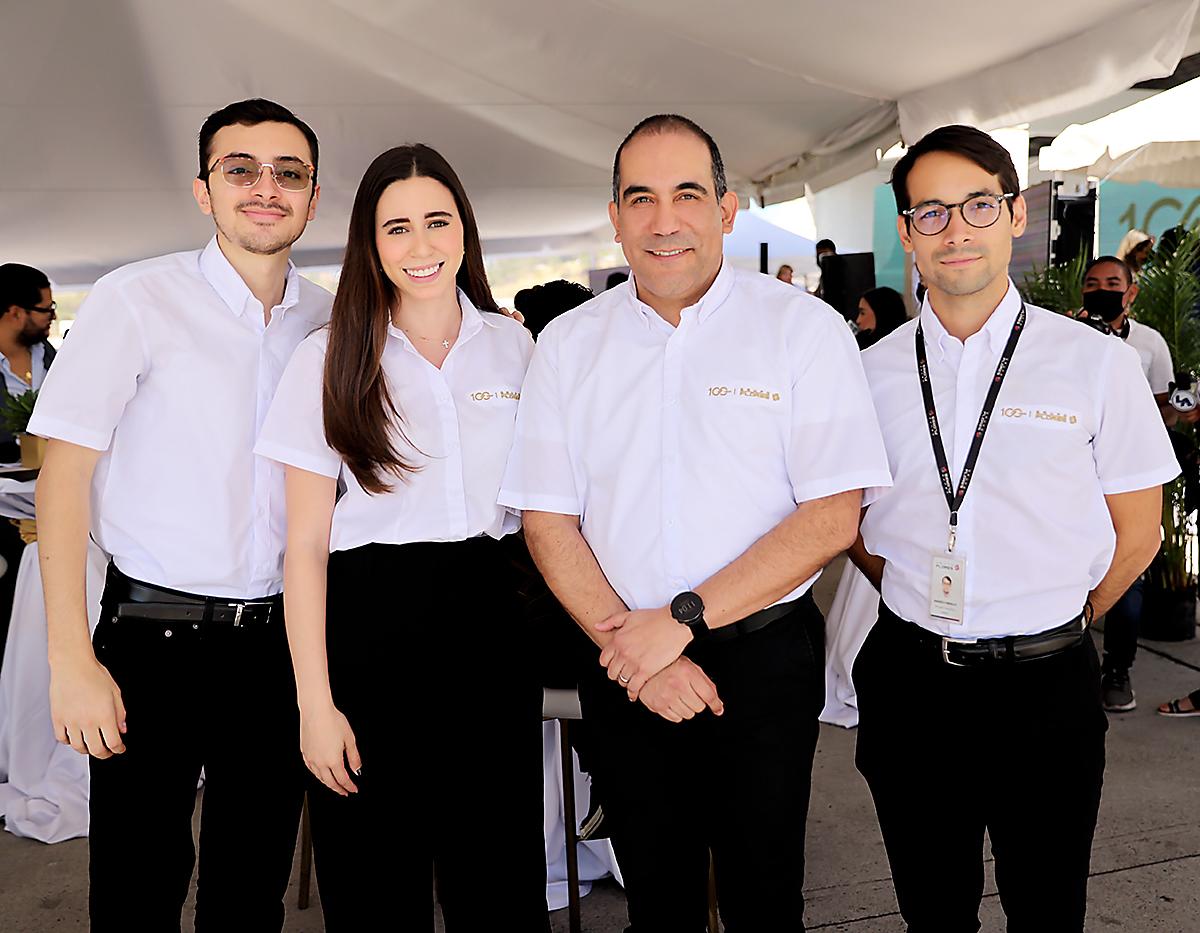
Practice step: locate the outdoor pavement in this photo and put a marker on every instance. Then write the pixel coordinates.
(1145, 864)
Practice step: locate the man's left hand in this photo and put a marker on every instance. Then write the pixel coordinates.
(646, 641)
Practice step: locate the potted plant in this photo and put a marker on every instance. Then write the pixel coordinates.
(15, 415)
(1168, 299)
(1056, 288)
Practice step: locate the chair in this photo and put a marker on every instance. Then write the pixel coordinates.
(563, 705)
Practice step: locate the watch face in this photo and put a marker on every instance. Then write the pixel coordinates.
(687, 606)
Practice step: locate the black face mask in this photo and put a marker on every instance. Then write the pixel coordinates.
(1108, 305)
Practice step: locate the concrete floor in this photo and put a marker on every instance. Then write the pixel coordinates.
(1145, 865)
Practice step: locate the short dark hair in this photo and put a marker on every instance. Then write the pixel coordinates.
(21, 286)
(543, 303)
(615, 278)
(1099, 260)
(251, 113)
(825, 244)
(667, 123)
(966, 141)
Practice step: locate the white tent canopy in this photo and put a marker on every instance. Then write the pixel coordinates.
(100, 101)
(1157, 140)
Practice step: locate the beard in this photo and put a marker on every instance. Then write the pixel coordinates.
(31, 338)
(264, 242)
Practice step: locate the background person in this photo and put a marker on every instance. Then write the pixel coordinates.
(880, 311)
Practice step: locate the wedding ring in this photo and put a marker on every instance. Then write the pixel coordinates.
(624, 680)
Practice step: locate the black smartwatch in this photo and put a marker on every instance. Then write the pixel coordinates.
(688, 609)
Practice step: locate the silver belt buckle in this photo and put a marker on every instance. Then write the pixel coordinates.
(239, 608)
(946, 643)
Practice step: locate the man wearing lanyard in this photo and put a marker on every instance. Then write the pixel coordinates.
(1027, 456)
(153, 408)
(690, 451)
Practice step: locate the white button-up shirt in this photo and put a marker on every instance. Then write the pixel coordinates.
(169, 369)
(458, 421)
(680, 446)
(1154, 354)
(1075, 421)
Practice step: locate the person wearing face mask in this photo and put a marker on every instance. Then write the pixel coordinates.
(402, 608)
(1108, 294)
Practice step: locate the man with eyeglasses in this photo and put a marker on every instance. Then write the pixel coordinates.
(1027, 457)
(26, 312)
(152, 411)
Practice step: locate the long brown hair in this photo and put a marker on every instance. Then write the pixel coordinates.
(360, 414)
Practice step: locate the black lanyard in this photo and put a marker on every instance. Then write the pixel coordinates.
(955, 499)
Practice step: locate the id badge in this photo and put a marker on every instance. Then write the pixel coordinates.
(947, 587)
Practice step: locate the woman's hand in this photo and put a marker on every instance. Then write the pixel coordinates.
(327, 744)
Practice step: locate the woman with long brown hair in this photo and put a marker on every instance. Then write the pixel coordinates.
(394, 425)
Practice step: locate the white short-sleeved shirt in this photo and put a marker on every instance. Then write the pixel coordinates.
(169, 369)
(680, 447)
(1074, 422)
(1154, 354)
(458, 421)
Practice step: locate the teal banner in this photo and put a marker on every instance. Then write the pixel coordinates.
(1145, 206)
(889, 255)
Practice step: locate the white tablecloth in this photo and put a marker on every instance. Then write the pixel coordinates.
(855, 609)
(43, 785)
(596, 859)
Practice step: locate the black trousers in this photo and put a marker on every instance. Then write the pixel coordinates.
(1121, 625)
(214, 697)
(737, 784)
(428, 662)
(1016, 749)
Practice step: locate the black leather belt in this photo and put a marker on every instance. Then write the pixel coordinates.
(137, 600)
(1010, 649)
(756, 621)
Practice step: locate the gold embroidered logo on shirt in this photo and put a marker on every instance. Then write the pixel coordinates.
(510, 394)
(1039, 414)
(742, 392)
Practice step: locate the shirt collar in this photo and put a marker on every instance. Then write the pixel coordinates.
(996, 329)
(230, 286)
(712, 299)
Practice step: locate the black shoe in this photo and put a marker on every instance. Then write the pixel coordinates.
(1116, 692)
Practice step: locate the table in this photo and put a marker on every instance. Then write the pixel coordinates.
(43, 785)
(854, 610)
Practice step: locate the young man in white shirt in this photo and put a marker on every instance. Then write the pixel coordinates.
(690, 451)
(979, 708)
(152, 411)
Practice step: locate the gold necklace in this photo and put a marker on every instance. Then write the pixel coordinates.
(445, 342)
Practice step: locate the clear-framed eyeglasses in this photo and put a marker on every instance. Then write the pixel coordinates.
(244, 172)
(932, 217)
